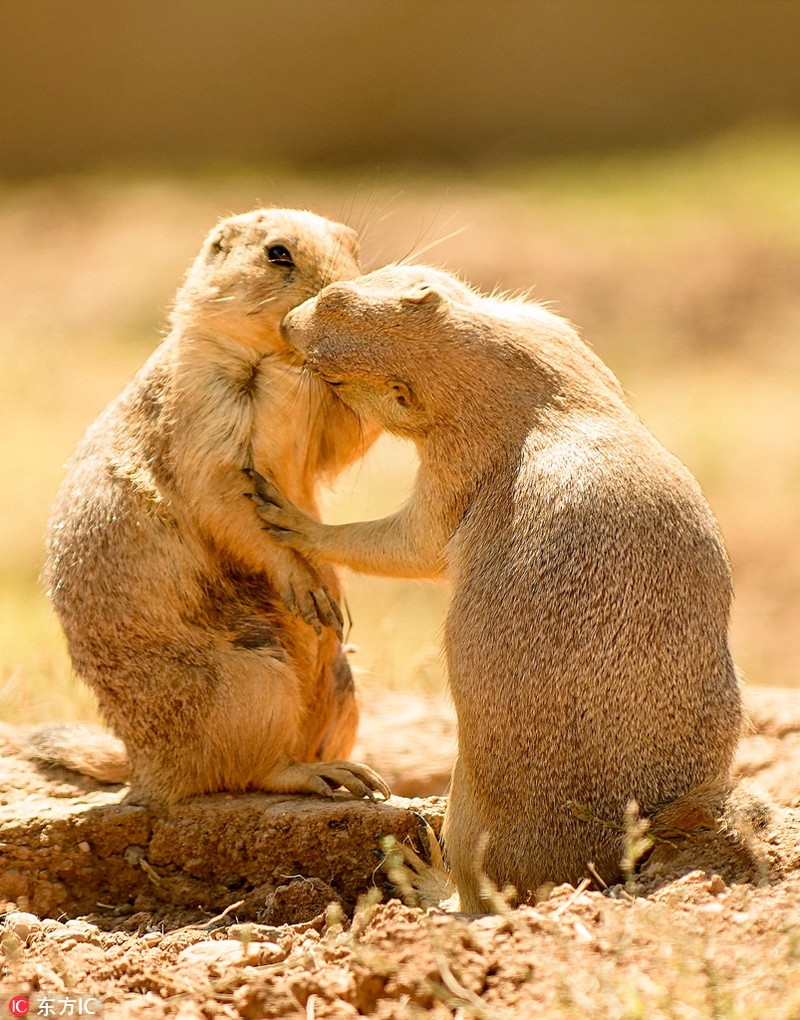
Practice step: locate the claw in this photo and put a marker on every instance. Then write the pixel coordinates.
(322, 778)
(290, 601)
(266, 498)
(337, 610)
(328, 611)
(279, 534)
(265, 490)
(309, 614)
(433, 847)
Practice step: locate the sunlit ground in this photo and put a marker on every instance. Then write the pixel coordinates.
(681, 268)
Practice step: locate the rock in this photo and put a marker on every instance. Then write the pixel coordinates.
(205, 856)
(21, 923)
(301, 900)
(219, 953)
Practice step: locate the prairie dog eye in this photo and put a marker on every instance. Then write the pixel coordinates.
(279, 255)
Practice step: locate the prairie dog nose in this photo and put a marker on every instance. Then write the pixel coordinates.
(295, 323)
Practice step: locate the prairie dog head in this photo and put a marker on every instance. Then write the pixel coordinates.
(400, 345)
(376, 341)
(414, 349)
(254, 267)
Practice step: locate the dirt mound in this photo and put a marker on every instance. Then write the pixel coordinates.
(265, 906)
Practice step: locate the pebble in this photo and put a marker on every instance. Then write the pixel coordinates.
(21, 923)
(219, 952)
(75, 924)
(74, 932)
(251, 932)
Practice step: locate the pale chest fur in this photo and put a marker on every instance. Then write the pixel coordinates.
(285, 419)
(236, 409)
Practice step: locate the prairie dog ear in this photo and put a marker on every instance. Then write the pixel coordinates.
(423, 295)
(219, 241)
(403, 393)
(350, 240)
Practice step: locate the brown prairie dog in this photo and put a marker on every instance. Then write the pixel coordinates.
(586, 635)
(213, 650)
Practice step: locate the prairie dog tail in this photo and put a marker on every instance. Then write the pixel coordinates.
(715, 806)
(85, 749)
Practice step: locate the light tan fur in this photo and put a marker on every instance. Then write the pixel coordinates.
(586, 636)
(213, 650)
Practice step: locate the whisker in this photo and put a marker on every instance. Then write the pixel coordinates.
(346, 212)
(362, 223)
(327, 275)
(268, 300)
(423, 248)
(262, 304)
(424, 232)
(375, 218)
(281, 201)
(302, 393)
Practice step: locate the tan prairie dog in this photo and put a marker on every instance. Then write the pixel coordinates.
(213, 649)
(586, 635)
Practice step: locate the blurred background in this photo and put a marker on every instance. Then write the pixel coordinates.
(635, 163)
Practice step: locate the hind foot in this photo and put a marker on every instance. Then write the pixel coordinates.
(423, 883)
(325, 776)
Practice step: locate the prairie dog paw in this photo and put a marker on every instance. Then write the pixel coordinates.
(326, 776)
(317, 606)
(305, 595)
(284, 521)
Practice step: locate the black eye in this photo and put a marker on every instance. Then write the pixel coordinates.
(280, 255)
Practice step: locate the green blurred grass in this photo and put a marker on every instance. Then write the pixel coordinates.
(680, 267)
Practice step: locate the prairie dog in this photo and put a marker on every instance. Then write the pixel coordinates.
(212, 649)
(586, 636)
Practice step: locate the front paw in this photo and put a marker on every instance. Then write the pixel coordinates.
(301, 588)
(285, 522)
(305, 595)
